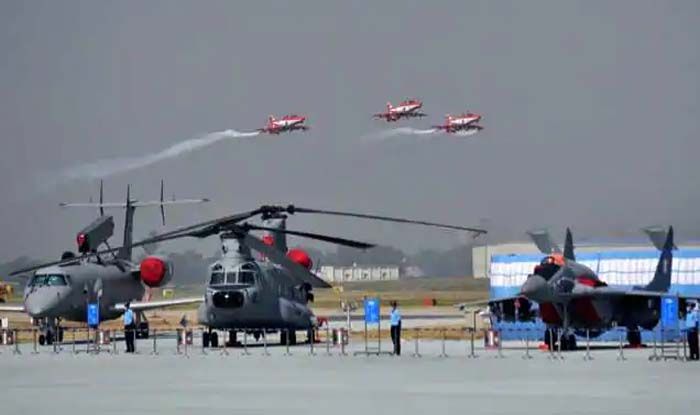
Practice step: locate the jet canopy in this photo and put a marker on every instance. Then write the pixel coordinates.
(549, 266)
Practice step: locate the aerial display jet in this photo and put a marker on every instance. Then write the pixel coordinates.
(408, 108)
(288, 123)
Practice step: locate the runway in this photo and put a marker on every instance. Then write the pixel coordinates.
(303, 384)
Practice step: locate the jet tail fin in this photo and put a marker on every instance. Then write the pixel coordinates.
(569, 246)
(543, 241)
(657, 235)
(662, 277)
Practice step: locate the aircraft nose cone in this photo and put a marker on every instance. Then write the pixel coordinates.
(535, 287)
(35, 307)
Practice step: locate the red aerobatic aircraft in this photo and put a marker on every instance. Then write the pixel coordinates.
(288, 123)
(406, 109)
(464, 122)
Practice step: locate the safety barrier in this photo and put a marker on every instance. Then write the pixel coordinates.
(327, 341)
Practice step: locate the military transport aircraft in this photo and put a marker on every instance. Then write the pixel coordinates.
(288, 123)
(244, 294)
(572, 297)
(62, 290)
(406, 109)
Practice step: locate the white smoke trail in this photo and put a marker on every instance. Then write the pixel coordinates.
(466, 133)
(108, 167)
(394, 132)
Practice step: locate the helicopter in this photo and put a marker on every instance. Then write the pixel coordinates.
(244, 294)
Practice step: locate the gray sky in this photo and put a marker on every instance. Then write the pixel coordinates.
(591, 112)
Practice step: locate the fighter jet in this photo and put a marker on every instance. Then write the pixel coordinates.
(288, 123)
(244, 294)
(467, 121)
(406, 109)
(572, 297)
(62, 290)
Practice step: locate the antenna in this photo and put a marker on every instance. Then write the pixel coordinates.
(102, 196)
(162, 206)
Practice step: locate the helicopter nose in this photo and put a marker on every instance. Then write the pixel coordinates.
(535, 288)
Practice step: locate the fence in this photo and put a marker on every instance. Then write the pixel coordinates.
(464, 342)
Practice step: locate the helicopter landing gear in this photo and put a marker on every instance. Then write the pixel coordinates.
(210, 338)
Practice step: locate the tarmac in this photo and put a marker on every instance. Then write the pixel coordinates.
(301, 383)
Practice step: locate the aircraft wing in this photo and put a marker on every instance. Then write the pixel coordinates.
(12, 308)
(607, 292)
(152, 305)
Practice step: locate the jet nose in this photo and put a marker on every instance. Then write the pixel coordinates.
(535, 287)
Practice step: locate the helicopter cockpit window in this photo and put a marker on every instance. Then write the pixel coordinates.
(217, 276)
(247, 274)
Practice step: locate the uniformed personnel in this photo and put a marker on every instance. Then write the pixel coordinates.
(129, 328)
(396, 328)
(691, 328)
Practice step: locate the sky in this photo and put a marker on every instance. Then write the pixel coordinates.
(591, 114)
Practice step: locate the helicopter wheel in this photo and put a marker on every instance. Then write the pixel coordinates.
(42, 340)
(205, 339)
(214, 340)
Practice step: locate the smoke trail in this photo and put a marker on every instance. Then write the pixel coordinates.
(394, 132)
(108, 167)
(466, 133)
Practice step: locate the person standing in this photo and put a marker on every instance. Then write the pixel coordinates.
(396, 328)
(691, 328)
(129, 328)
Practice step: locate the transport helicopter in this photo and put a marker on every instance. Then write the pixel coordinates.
(264, 296)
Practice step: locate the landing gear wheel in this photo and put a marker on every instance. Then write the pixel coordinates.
(42, 340)
(214, 339)
(205, 339)
(634, 338)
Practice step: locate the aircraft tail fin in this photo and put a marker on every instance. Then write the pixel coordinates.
(543, 241)
(662, 276)
(389, 107)
(657, 235)
(569, 246)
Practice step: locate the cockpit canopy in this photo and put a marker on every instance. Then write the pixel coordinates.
(549, 266)
(49, 280)
(246, 273)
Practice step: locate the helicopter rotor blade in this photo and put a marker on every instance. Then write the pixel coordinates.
(278, 257)
(296, 209)
(325, 238)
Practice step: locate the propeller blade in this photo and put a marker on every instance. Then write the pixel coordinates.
(295, 209)
(275, 255)
(330, 239)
